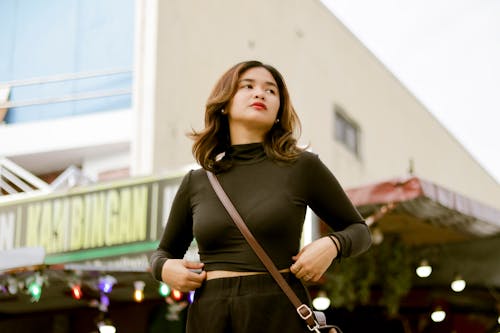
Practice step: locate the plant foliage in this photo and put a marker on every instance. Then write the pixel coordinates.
(387, 267)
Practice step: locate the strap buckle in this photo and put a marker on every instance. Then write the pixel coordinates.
(306, 315)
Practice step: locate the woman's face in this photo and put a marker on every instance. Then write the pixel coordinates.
(255, 105)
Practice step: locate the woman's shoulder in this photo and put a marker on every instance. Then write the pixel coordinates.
(191, 180)
(196, 174)
(191, 175)
(309, 162)
(307, 157)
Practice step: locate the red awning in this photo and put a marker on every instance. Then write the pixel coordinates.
(430, 203)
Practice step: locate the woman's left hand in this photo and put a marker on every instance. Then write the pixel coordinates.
(314, 259)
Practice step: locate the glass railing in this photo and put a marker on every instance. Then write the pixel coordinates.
(65, 95)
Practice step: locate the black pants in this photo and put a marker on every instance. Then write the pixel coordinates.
(253, 303)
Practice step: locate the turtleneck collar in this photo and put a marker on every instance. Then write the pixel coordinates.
(244, 153)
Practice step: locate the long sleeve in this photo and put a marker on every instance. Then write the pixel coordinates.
(272, 198)
(178, 232)
(330, 202)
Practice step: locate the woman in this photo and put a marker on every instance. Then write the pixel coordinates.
(248, 142)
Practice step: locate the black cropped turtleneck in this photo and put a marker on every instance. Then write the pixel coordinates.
(272, 198)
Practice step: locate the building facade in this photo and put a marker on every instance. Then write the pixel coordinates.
(155, 62)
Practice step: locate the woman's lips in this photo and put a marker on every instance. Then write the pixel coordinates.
(259, 106)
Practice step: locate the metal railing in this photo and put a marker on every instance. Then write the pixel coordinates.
(15, 179)
(16, 182)
(69, 178)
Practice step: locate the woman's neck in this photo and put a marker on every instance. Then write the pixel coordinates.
(241, 137)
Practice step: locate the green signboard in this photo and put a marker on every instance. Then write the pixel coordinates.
(90, 222)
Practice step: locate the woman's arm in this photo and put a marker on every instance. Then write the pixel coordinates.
(167, 264)
(328, 200)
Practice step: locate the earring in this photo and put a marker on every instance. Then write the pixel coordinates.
(223, 111)
(277, 121)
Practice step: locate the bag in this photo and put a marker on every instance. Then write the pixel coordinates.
(315, 320)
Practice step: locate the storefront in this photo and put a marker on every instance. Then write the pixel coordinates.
(88, 248)
(414, 223)
(73, 260)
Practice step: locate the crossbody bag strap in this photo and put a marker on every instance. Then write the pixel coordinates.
(302, 309)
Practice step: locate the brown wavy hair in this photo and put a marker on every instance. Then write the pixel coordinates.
(280, 143)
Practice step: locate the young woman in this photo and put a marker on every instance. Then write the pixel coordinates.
(249, 143)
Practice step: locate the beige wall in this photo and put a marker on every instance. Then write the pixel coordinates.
(324, 65)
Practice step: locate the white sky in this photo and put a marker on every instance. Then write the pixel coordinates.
(447, 52)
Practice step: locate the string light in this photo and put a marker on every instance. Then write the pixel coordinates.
(35, 287)
(321, 302)
(438, 314)
(106, 283)
(76, 291)
(458, 284)
(139, 291)
(12, 286)
(176, 295)
(424, 270)
(35, 290)
(106, 326)
(191, 296)
(164, 289)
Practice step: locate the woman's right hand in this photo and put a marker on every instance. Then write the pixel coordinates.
(178, 274)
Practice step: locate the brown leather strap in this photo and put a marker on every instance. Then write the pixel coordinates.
(303, 310)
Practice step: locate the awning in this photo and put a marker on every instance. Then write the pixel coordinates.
(424, 212)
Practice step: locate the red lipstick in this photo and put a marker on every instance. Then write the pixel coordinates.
(259, 106)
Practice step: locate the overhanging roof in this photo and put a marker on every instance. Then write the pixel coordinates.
(426, 212)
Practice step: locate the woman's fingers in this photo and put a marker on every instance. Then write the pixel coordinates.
(313, 260)
(300, 272)
(192, 264)
(179, 274)
(295, 268)
(193, 281)
(197, 277)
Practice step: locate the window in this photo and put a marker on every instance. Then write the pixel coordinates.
(346, 131)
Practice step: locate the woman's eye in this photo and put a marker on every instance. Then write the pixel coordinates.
(271, 91)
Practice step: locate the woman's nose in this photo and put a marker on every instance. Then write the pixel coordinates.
(259, 93)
